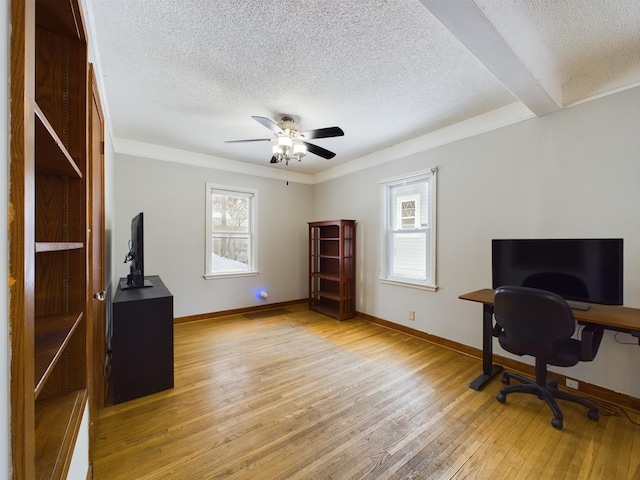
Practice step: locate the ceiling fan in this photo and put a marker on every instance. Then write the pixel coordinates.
(290, 143)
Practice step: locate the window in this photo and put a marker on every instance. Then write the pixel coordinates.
(409, 244)
(230, 242)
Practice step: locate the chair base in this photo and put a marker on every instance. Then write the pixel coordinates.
(548, 391)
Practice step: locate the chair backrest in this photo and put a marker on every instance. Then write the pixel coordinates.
(532, 319)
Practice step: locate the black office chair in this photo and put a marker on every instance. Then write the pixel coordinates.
(539, 323)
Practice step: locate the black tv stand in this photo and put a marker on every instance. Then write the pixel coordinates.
(142, 341)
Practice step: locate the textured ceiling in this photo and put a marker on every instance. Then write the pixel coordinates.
(189, 74)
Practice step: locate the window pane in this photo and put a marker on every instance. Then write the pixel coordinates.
(403, 196)
(230, 213)
(230, 254)
(409, 255)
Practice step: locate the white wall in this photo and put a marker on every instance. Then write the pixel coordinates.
(5, 458)
(172, 197)
(575, 173)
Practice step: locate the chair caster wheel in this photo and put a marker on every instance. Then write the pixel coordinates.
(501, 398)
(593, 415)
(557, 423)
(505, 379)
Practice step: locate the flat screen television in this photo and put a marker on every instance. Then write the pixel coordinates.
(579, 270)
(135, 279)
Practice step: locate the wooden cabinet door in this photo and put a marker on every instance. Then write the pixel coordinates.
(95, 240)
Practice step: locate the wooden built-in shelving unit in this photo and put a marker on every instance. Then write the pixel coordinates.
(48, 235)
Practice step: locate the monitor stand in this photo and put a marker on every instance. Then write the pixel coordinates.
(579, 305)
(124, 285)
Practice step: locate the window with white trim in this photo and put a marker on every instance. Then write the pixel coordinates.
(230, 232)
(409, 243)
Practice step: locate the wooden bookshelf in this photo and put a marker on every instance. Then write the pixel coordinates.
(48, 235)
(332, 267)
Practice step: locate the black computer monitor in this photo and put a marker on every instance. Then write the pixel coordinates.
(583, 270)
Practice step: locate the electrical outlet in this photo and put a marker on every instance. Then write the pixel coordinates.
(572, 384)
(412, 315)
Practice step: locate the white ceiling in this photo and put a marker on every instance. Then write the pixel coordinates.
(189, 74)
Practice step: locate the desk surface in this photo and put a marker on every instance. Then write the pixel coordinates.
(613, 316)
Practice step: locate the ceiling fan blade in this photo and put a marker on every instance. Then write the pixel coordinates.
(268, 123)
(323, 133)
(250, 140)
(321, 152)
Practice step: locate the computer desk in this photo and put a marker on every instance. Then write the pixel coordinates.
(612, 317)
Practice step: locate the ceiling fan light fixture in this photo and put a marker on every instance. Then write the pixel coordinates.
(299, 150)
(285, 141)
(290, 143)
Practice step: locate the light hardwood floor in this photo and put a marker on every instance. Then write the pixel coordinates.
(303, 396)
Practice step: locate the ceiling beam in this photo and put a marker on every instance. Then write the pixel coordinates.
(473, 30)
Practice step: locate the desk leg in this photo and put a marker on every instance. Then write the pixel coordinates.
(489, 370)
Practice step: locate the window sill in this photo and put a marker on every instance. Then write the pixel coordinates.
(419, 286)
(214, 276)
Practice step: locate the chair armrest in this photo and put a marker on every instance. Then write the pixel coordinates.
(590, 341)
